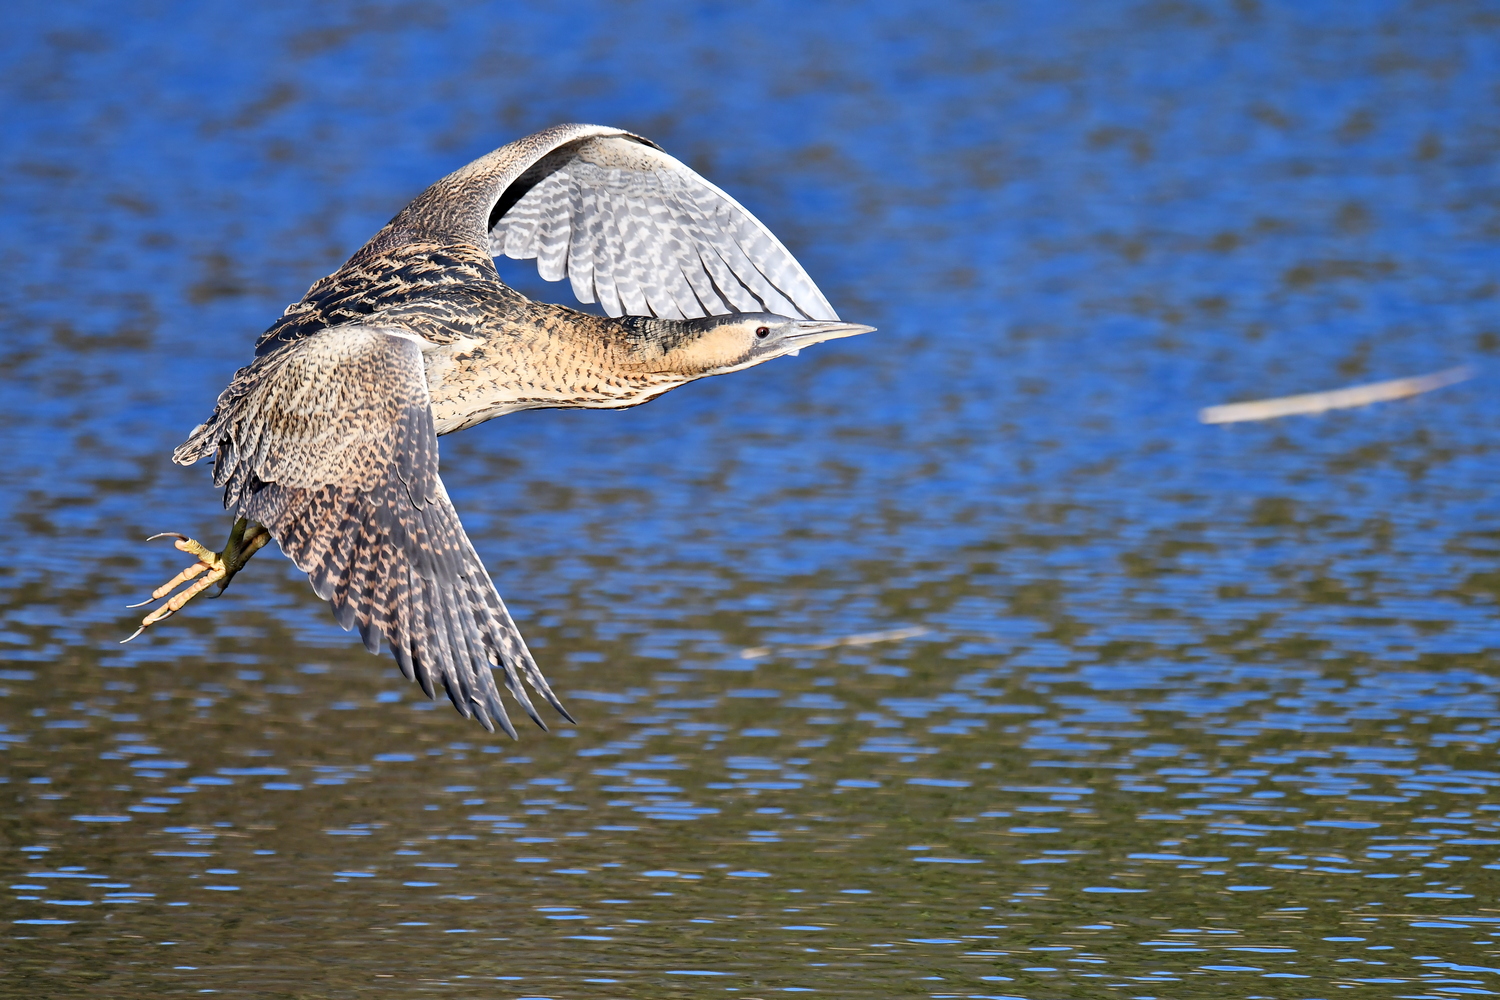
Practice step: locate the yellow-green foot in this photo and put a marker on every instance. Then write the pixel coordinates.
(245, 539)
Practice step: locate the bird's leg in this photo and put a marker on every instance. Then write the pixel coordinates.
(245, 539)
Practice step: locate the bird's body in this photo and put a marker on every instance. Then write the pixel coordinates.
(488, 350)
(327, 441)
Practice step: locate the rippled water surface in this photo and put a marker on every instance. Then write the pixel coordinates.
(1159, 709)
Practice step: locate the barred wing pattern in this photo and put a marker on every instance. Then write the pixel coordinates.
(643, 235)
(329, 443)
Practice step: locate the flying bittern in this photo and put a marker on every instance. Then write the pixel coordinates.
(327, 441)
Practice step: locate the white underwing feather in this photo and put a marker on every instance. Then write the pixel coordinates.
(643, 235)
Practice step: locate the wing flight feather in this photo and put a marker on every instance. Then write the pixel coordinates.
(329, 442)
(642, 234)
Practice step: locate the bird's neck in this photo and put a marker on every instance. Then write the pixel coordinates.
(544, 355)
(636, 347)
(681, 349)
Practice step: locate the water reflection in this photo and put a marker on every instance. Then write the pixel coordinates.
(1286, 837)
(1169, 710)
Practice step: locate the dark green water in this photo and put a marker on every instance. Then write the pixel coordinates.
(1177, 711)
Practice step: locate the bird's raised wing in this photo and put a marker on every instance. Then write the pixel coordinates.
(643, 235)
(329, 443)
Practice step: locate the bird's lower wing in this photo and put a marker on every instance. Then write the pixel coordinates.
(330, 444)
(408, 576)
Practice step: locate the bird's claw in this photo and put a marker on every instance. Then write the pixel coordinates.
(206, 561)
(211, 568)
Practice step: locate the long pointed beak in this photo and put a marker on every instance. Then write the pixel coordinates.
(809, 332)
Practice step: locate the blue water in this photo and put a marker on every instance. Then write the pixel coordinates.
(1170, 710)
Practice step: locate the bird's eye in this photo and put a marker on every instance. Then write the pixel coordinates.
(763, 331)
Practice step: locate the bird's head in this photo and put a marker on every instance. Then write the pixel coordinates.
(715, 345)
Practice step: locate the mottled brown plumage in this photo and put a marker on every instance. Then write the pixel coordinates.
(328, 439)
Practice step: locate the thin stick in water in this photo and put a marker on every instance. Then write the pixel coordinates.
(863, 639)
(1334, 399)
